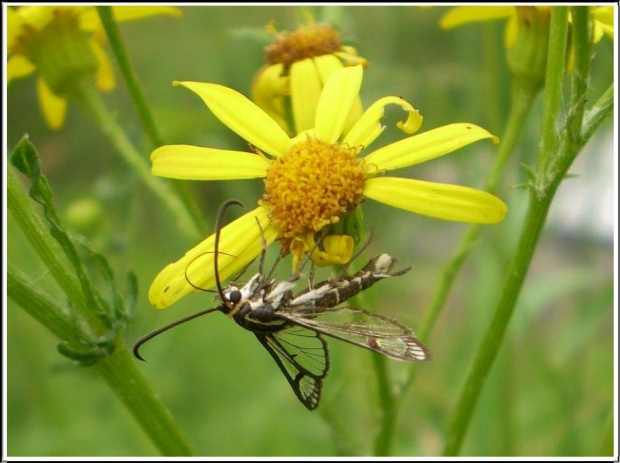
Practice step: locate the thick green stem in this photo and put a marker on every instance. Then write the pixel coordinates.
(488, 349)
(121, 374)
(130, 155)
(541, 195)
(50, 252)
(39, 305)
(118, 370)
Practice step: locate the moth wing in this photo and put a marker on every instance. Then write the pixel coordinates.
(361, 328)
(302, 356)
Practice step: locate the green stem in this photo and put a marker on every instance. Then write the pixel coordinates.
(488, 349)
(50, 252)
(522, 100)
(121, 374)
(130, 155)
(541, 197)
(106, 15)
(118, 370)
(39, 305)
(597, 114)
(553, 83)
(387, 400)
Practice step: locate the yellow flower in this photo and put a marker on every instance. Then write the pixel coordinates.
(311, 180)
(63, 44)
(299, 63)
(602, 19)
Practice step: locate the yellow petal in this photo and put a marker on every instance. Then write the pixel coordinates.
(240, 243)
(53, 107)
(338, 250)
(368, 128)
(305, 92)
(337, 98)
(427, 145)
(511, 31)
(327, 65)
(442, 201)
(14, 24)
(89, 20)
(105, 75)
(242, 117)
(467, 14)
(18, 66)
(269, 88)
(195, 163)
(39, 16)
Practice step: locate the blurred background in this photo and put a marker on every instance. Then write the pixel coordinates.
(551, 389)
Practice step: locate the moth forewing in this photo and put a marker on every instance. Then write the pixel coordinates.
(361, 328)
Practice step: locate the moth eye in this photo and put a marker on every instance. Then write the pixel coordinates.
(234, 297)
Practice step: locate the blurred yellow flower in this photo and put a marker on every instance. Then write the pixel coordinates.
(63, 44)
(312, 179)
(299, 63)
(602, 19)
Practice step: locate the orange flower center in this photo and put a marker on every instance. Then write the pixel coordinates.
(312, 186)
(304, 42)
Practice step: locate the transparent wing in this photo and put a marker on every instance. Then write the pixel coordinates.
(361, 328)
(302, 356)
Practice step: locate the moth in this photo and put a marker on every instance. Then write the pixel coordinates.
(291, 327)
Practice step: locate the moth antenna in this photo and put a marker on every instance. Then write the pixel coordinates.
(194, 260)
(218, 230)
(148, 337)
(346, 266)
(263, 251)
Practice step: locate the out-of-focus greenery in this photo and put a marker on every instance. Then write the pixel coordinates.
(550, 392)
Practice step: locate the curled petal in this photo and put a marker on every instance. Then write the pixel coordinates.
(53, 107)
(17, 67)
(240, 243)
(442, 201)
(337, 98)
(468, 14)
(242, 117)
(305, 92)
(337, 249)
(427, 145)
(195, 163)
(368, 128)
(269, 88)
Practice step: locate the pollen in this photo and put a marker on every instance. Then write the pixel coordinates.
(306, 41)
(312, 186)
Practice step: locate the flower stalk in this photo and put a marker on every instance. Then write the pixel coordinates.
(556, 153)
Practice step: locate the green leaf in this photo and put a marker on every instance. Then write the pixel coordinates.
(113, 313)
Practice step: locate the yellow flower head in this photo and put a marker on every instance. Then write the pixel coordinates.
(64, 45)
(312, 179)
(602, 19)
(298, 63)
